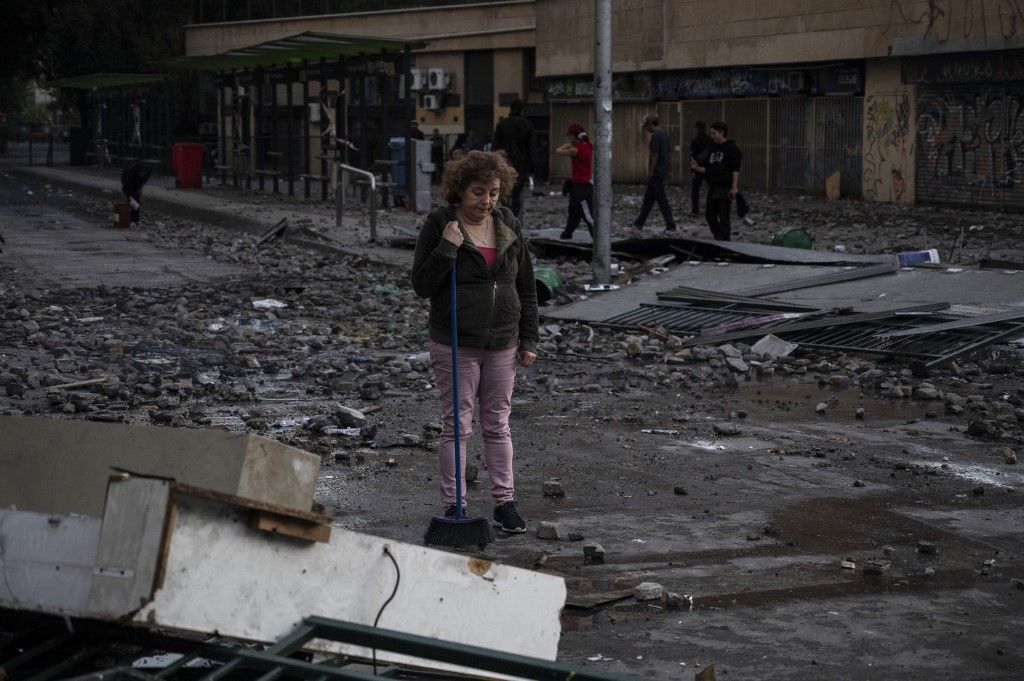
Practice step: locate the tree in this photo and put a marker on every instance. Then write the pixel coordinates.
(45, 40)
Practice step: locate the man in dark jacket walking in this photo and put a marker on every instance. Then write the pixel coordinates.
(698, 151)
(132, 180)
(514, 135)
(722, 172)
(657, 175)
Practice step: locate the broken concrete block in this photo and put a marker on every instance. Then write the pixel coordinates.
(737, 364)
(553, 488)
(548, 530)
(877, 566)
(927, 548)
(37, 451)
(347, 417)
(725, 429)
(673, 601)
(648, 591)
(730, 351)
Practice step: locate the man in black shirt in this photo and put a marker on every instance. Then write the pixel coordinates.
(657, 174)
(698, 150)
(722, 171)
(514, 135)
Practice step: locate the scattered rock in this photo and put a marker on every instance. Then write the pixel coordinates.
(1009, 455)
(820, 408)
(876, 566)
(648, 591)
(726, 429)
(548, 530)
(593, 553)
(737, 364)
(553, 488)
(679, 490)
(927, 548)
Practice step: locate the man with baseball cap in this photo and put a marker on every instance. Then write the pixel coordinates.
(657, 174)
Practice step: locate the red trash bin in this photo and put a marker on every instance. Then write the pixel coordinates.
(187, 163)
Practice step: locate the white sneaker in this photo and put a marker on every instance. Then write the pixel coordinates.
(747, 220)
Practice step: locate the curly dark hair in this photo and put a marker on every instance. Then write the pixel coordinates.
(476, 166)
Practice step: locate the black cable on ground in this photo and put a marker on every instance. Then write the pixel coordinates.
(398, 580)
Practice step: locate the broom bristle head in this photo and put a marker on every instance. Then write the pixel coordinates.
(445, 531)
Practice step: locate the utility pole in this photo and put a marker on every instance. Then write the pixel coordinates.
(603, 141)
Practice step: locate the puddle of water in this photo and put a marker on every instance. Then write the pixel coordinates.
(794, 401)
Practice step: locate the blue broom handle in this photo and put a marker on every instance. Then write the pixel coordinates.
(456, 411)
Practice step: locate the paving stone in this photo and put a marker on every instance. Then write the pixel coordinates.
(548, 530)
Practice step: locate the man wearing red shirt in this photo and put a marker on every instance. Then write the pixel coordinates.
(581, 190)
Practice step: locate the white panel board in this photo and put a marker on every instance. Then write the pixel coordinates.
(223, 576)
(46, 562)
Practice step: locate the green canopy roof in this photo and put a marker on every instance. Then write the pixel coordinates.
(308, 46)
(101, 81)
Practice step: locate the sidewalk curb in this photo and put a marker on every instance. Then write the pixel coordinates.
(159, 204)
(226, 219)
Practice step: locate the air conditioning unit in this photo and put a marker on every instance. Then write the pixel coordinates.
(419, 79)
(432, 102)
(439, 79)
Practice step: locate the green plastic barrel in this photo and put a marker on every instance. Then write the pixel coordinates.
(548, 280)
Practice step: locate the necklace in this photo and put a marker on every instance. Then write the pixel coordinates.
(481, 241)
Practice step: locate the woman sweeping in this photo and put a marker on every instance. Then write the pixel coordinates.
(482, 241)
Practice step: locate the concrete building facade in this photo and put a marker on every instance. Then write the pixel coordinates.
(485, 50)
(907, 100)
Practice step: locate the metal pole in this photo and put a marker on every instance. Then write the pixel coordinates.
(603, 141)
(410, 113)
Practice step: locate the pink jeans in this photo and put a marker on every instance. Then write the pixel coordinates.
(486, 378)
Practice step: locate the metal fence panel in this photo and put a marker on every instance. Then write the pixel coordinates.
(970, 145)
(838, 132)
(789, 149)
(678, 140)
(748, 127)
(788, 144)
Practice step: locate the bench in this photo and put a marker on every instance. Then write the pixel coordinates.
(261, 174)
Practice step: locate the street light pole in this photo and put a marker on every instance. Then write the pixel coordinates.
(602, 141)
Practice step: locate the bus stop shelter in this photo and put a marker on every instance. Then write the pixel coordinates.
(130, 117)
(289, 109)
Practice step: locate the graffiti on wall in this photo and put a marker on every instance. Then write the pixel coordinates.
(942, 20)
(888, 146)
(971, 144)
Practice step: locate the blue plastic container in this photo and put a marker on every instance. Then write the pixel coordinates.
(397, 147)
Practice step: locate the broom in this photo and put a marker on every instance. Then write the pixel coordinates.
(459, 530)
